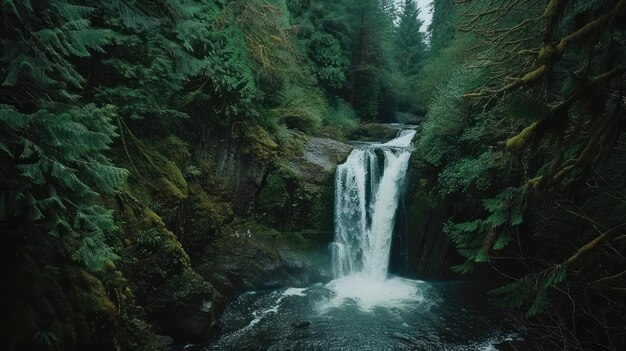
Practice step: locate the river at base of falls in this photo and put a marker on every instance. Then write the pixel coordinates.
(357, 313)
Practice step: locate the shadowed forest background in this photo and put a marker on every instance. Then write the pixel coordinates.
(137, 136)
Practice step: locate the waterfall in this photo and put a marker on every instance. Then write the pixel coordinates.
(367, 191)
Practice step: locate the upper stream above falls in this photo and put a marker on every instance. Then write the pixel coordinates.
(364, 307)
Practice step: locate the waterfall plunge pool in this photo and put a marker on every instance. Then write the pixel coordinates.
(356, 313)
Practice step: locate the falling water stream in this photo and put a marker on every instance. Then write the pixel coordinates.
(364, 307)
(365, 205)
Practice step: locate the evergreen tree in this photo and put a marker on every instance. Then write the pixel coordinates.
(410, 45)
(371, 63)
(443, 26)
(53, 142)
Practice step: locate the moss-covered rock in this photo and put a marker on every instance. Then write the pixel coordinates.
(273, 193)
(288, 203)
(240, 157)
(374, 132)
(203, 217)
(319, 160)
(174, 149)
(163, 280)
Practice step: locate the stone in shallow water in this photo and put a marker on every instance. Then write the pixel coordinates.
(301, 324)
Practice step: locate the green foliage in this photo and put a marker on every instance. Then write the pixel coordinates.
(52, 143)
(40, 58)
(465, 173)
(526, 107)
(265, 25)
(48, 339)
(329, 61)
(531, 291)
(308, 110)
(301, 109)
(324, 36)
(163, 51)
(59, 171)
(339, 120)
(476, 239)
(438, 142)
(229, 91)
(410, 45)
(357, 53)
(443, 28)
(438, 70)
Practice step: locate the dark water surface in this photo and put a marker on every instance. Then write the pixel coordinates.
(357, 314)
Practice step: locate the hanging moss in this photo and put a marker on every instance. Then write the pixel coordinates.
(520, 141)
(167, 190)
(175, 149)
(259, 142)
(174, 174)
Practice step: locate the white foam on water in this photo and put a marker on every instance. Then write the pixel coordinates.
(368, 293)
(492, 343)
(259, 315)
(295, 292)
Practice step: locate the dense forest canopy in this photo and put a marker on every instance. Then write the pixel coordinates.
(105, 108)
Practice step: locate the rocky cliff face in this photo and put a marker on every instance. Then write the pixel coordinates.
(240, 159)
(319, 160)
(421, 247)
(292, 222)
(298, 193)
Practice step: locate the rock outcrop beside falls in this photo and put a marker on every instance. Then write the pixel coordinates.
(421, 248)
(319, 160)
(297, 194)
(294, 219)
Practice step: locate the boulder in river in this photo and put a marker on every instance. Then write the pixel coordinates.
(301, 324)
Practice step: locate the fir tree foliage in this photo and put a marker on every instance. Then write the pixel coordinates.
(52, 143)
(477, 239)
(530, 293)
(158, 49)
(410, 41)
(357, 52)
